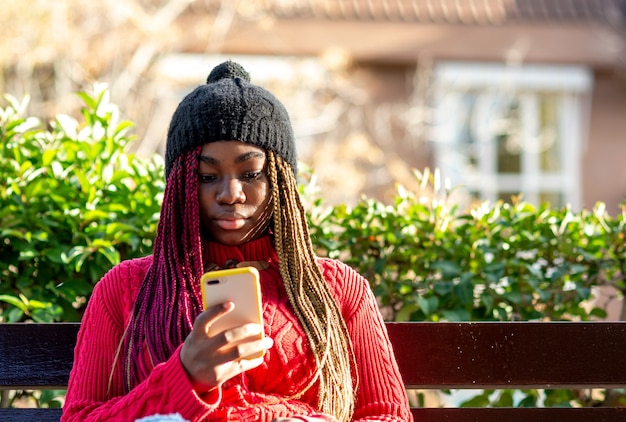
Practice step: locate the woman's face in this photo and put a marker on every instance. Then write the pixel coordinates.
(234, 192)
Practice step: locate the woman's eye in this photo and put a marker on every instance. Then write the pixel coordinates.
(252, 175)
(206, 178)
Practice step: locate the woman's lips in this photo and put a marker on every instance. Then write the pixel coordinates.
(230, 224)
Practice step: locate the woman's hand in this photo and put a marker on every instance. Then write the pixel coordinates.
(212, 360)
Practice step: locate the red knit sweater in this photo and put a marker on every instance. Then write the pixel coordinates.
(259, 394)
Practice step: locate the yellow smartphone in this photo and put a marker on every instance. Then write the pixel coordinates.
(240, 286)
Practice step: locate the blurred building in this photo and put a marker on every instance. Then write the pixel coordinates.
(503, 96)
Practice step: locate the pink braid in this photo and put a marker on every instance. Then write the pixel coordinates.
(169, 299)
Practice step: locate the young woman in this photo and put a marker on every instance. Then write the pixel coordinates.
(231, 200)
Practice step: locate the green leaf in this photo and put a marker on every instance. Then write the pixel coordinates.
(481, 400)
(456, 315)
(111, 254)
(404, 314)
(15, 301)
(428, 305)
(448, 269)
(14, 315)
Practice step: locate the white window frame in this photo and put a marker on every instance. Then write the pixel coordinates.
(494, 81)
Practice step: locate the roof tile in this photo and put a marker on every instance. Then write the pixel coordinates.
(473, 12)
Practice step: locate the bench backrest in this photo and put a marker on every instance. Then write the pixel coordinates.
(476, 355)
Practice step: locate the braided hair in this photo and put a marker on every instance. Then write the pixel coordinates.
(310, 296)
(169, 299)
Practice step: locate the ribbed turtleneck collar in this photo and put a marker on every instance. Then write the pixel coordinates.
(261, 249)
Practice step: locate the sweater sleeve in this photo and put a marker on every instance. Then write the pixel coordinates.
(381, 395)
(95, 393)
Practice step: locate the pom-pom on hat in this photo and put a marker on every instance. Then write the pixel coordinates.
(228, 107)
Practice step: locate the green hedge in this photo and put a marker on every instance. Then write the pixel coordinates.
(427, 261)
(72, 204)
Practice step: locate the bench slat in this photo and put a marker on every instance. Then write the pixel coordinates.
(587, 414)
(464, 355)
(492, 355)
(30, 415)
(608, 414)
(35, 356)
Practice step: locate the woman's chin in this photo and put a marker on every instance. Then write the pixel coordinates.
(230, 237)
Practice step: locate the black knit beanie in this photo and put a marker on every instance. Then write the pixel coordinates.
(228, 108)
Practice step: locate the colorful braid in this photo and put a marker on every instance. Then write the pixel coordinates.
(169, 297)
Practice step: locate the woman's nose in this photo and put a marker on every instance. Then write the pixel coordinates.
(230, 191)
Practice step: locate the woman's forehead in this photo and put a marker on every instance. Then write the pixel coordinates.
(235, 151)
(230, 145)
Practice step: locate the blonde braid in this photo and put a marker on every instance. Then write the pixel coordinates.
(310, 296)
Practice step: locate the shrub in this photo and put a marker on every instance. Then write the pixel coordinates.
(427, 261)
(72, 204)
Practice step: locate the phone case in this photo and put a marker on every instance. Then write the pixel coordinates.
(238, 285)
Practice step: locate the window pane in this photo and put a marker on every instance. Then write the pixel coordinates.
(465, 135)
(549, 142)
(508, 157)
(507, 121)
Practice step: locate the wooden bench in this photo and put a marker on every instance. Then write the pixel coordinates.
(482, 355)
